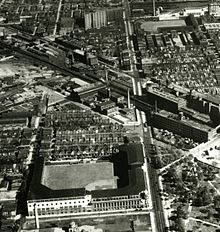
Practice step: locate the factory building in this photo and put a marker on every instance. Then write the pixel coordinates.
(181, 125)
(107, 107)
(85, 57)
(205, 104)
(163, 100)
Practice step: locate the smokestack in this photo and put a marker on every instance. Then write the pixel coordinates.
(106, 75)
(129, 101)
(36, 217)
(180, 116)
(109, 92)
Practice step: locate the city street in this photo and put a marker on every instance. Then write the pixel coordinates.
(157, 217)
(154, 187)
(58, 17)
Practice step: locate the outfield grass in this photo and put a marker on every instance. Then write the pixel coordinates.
(93, 176)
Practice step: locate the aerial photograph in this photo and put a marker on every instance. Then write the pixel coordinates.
(110, 115)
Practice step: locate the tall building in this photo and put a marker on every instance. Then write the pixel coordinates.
(96, 19)
(88, 21)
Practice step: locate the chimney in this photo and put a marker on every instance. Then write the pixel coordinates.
(180, 116)
(109, 92)
(177, 94)
(106, 75)
(129, 101)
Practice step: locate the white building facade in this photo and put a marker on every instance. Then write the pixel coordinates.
(96, 19)
(73, 205)
(59, 206)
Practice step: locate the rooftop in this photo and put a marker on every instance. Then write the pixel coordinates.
(166, 95)
(88, 87)
(153, 26)
(105, 103)
(210, 26)
(186, 121)
(210, 98)
(195, 115)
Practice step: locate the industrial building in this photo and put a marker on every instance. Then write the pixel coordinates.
(182, 126)
(80, 93)
(103, 107)
(205, 104)
(163, 100)
(85, 57)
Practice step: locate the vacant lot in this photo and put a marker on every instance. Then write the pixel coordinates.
(107, 224)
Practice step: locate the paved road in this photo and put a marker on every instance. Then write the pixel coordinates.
(153, 183)
(157, 219)
(154, 186)
(58, 17)
(204, 222)
(93, 214)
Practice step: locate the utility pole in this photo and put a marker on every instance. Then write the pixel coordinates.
(132, 225)
(154, 8)
(37, 224)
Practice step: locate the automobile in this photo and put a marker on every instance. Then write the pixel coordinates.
(209, 158)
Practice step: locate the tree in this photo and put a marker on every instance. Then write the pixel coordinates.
(209, 215)
(180, 225)
(181, 212)
(217, 202)
(203, 197)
